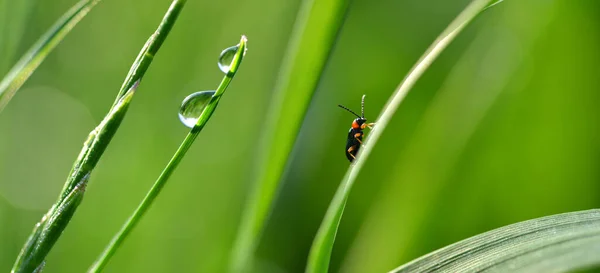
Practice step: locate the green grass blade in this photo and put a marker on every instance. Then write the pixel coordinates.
(41, 49)
(132, 80)
(315, 31)
(320, 253)
(557, 243)
(14, 18)
(146, 55)
(49, 229)
(46, 233)
(143, 207)
(53, 227)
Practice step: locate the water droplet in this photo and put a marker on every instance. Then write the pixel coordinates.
(226, 58)
(192, 106)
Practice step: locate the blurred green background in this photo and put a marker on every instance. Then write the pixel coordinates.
(504, 127)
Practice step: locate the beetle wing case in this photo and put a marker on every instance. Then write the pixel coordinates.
(353, 142)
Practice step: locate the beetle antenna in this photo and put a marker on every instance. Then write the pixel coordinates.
(345, 108)
(362, 106)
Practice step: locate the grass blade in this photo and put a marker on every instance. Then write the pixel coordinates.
(315, 31)
(49, 229)
(143, 207)
(14, 18)
(557, 243)
(47, 232)
(320, 253)
(41, 49)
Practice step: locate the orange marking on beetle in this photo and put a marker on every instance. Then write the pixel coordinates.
(355, 125)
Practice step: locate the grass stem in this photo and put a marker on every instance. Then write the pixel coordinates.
(143, 207)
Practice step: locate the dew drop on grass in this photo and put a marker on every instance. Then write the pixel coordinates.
(192, 107)
(226, 58)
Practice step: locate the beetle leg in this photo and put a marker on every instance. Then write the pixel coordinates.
(370, 125)
(350, 151)
(356, 136)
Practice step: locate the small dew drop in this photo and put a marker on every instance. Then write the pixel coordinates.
(226, 58)
(192, 106)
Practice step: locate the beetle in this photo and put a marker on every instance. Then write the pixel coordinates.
(355, 135)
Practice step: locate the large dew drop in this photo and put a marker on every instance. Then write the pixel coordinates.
(226, 58)
(192, 106)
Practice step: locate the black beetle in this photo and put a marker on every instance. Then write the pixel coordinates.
(355, 135)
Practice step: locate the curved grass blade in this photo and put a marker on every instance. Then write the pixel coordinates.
(41, 49)
(315, 31)
(495, 2)
(47, 232)
(320, 253)
(557, 243)
(143, 207)
(14, 16)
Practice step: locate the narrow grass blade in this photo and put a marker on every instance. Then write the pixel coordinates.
(143, 207)
(146, 55)
(97, 142)
(493, 3)
(41, 49)
(320, 253)
(52, 228)
(315, 31)
(557, 243)
(14, 18)
(49, 229)
(40, 268)
(46, 233)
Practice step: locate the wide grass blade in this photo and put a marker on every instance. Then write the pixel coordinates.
(41, 49)
(320, 253)
(48, 230)
(313, 38)
(557, 243)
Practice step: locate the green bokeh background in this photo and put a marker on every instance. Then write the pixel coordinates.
(504, 127)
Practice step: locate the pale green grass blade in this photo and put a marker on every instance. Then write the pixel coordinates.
(14, 16)
(39, 51)
(312, 40)
(478, 85)
(557, 243)
(320, 253)
(493, 3)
